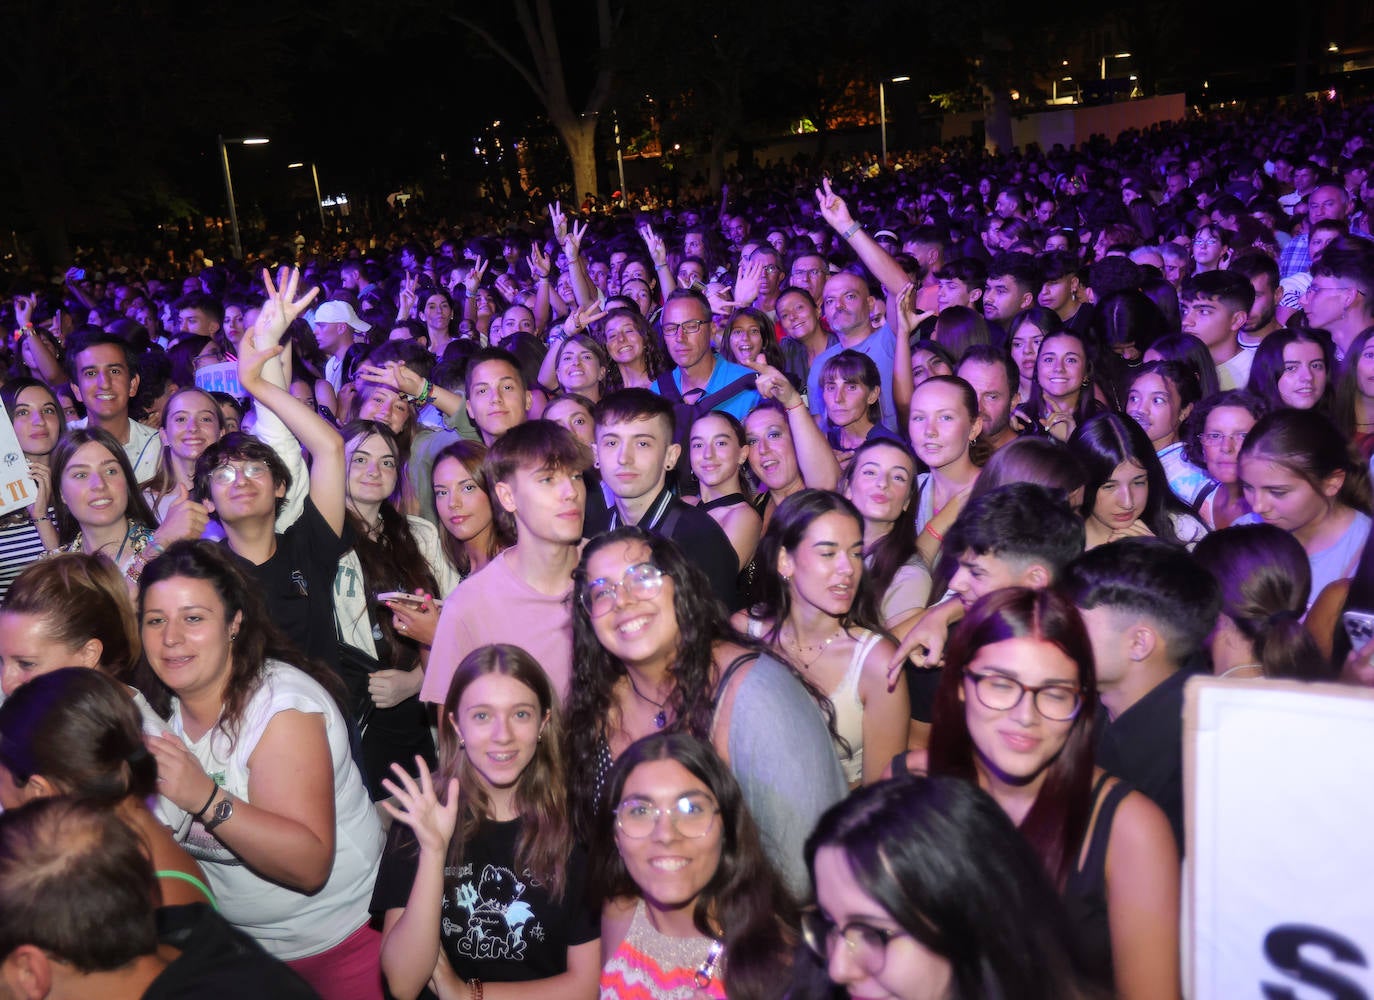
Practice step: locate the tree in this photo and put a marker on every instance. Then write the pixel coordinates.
(547, 75)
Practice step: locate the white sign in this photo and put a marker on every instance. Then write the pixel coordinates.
(220, 377)
(16, 488)
(1279, 809)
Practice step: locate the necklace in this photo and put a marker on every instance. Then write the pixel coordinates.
(1243, 666)
(819, 648)
(661, 719)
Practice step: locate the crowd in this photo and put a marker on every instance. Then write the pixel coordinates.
(784, 595)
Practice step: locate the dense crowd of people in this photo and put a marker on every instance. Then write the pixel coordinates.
(790, 593)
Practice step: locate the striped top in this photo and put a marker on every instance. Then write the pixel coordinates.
(653, 966)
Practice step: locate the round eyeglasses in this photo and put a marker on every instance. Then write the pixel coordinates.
(691, 816)
(867, 944)
(641, 582)
(1056, 702)
(228, 475)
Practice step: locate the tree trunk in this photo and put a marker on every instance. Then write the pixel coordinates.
(579, 138)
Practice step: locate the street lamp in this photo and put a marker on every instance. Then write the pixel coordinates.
(882, 109)
(319, 201)
(229, 185)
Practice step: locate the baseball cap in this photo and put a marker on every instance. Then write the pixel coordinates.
(336, 311)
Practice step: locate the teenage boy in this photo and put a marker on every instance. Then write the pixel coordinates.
(635, 451)
(497, 397)
(1215, 307)
(1148, 612)
(103, 369)
(523, 596)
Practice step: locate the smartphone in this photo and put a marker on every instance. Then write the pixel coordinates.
(1359, 627)
(400, 596)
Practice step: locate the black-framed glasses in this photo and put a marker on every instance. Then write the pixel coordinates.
(692, 816)
(1056, 702)
(688, 328)
(641, 582)
(228, 475)
(867, 944)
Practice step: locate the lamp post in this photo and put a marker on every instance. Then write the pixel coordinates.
(229, 185)
(882, 109)
(319, 201)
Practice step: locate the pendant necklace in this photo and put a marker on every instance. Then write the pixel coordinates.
(661, 719)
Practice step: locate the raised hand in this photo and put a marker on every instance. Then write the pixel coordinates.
(394, 375)
(658, 252)
(539, 262)
(572, 240)
(748, 281)
(475, 275)
(281, 308)
(42, 481)
(772, 383)
(580, 319)
(23, 309)
(832, 206)
(560, 222)
(407, 297)
(904, 318)
(418, 807)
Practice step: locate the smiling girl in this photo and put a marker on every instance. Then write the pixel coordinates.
(491, 834)
(38, 422)
(943, 426)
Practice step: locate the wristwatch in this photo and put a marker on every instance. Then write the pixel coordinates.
(222, 811)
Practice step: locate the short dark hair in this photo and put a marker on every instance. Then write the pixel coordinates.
(237, 446)
(83, 338)
(634, 403)
(1019, 266)
(1019, 522)
(492, 354)
(987, 354)
(1151, 578)
(1232, 290)
(533, 444)
(76, 882)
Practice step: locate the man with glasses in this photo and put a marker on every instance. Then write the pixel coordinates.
(1148, 612)
(522, 596)
(701, 379)
(1338, 299)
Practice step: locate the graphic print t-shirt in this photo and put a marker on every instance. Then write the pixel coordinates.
(498, 923)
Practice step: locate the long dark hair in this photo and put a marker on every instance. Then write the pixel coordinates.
(539, 792)
(744, 904)
(9, 395)
(1108, 440)
(655, 357)
(785, 532)
(79, 729)
(1308, 445)
(258, 640)
(1268, 365)
(137, 510)
(390, 560)
(1345, 405)
(1088, 403)
(702, 623)
(1058, 820)
(949, 867)
(895, 549)
(471, 456)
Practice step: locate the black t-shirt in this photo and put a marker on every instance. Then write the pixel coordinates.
(701, 540)
(497, 925)
(218, 960)
(297, 582)
(1144, 746)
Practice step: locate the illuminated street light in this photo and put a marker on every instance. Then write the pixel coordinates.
(319, 202)
(229, 185)
(882, 111)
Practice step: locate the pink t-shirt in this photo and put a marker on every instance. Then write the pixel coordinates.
(494, 605)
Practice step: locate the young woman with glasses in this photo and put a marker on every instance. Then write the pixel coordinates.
(1015, 715)
(925, 891)
(654, 651)
(481, 882)
(714, 922)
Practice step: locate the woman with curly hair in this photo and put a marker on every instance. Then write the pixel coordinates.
(654, 651)
(635, 349)
(720, 925)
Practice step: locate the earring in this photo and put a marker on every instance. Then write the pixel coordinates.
(462, 743)
(233, 636)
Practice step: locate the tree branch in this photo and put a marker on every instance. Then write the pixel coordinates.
(500, 50)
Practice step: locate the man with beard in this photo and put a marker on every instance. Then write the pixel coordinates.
(995, 379)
